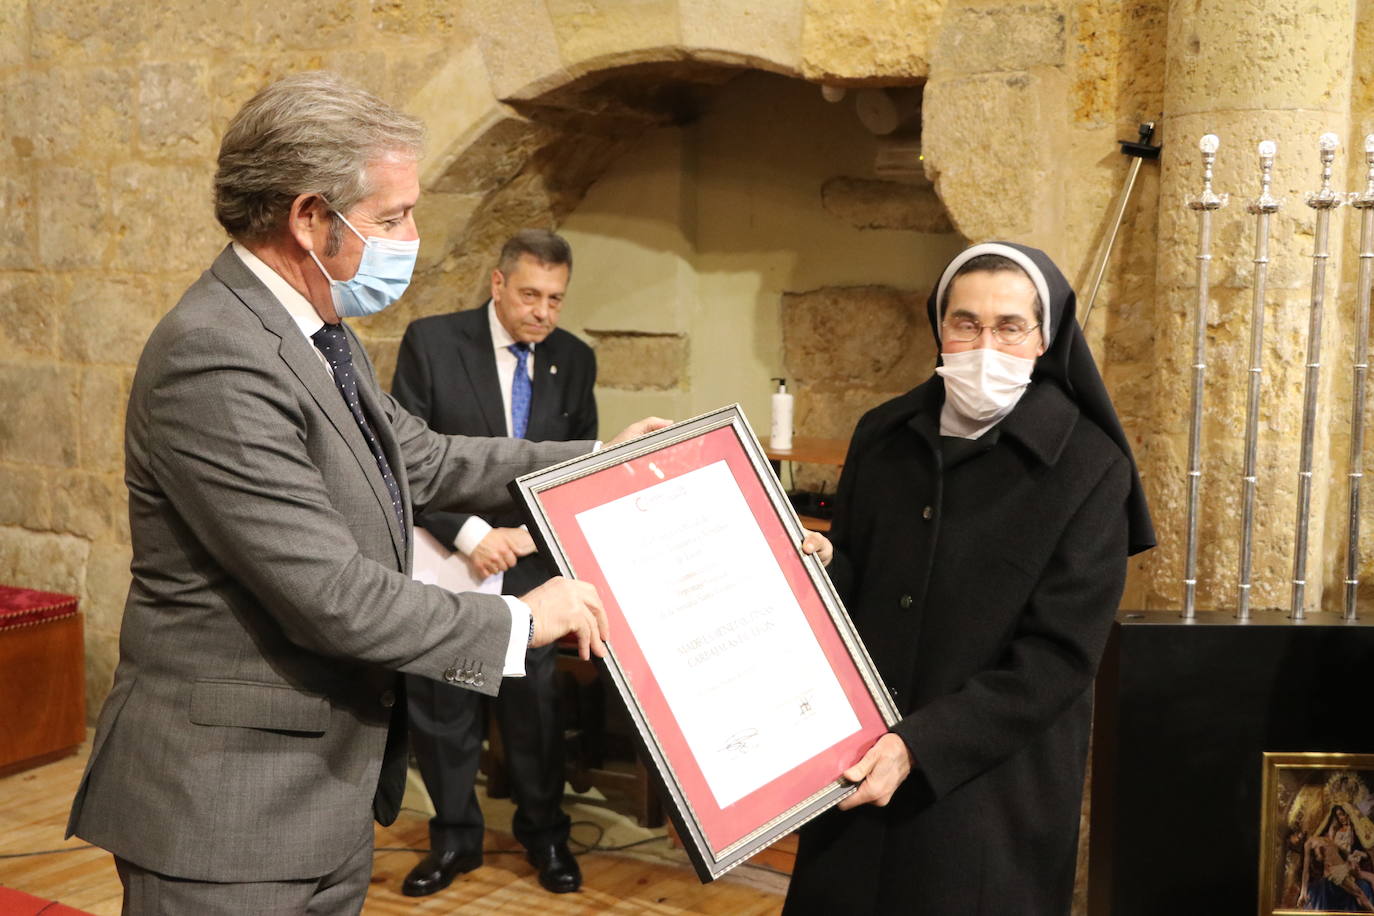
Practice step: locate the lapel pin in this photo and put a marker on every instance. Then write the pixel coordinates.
(553, 370)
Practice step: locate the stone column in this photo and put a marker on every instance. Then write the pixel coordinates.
(1247, 71)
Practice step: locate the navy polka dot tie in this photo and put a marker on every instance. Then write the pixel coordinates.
(520, 391)
(333, 343)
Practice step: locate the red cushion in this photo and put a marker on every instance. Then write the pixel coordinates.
(17, 903)
(23, 606)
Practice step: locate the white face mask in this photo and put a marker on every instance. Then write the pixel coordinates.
(984, 384)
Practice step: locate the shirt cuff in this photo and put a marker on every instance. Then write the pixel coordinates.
(470, 535)
(519, 636)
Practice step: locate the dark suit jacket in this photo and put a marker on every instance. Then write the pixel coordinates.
(256, 722)
(446, 374)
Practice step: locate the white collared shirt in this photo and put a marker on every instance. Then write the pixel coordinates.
(309, 321)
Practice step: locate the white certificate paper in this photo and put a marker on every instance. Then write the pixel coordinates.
(722, 632)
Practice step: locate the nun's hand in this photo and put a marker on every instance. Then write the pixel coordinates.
(820, 545)
(884, 768)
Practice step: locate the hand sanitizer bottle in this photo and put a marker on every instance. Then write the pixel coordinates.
(780, 436)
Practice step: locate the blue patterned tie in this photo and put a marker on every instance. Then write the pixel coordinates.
(520, 391)
(333, 343)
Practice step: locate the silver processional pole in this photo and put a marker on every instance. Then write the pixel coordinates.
(1364, 202)
(1262, 207)
(1323, 201)
(1204, 204)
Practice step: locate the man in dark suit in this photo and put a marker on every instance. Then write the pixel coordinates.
(505, 369)
(256, 724)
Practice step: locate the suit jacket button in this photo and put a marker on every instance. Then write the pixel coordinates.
(451, 674)
(927, 512)
(905, 602)
(388, 699)
(479, 681)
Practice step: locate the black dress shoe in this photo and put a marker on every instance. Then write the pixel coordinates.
(558, 871)
(437, 870)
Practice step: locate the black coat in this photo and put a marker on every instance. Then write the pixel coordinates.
(984, 591)
(446, 373)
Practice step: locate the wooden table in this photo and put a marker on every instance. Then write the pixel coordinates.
(810, 450)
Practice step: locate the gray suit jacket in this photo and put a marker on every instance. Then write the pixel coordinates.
(256, 721)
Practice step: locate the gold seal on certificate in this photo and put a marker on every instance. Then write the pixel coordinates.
(749, 689)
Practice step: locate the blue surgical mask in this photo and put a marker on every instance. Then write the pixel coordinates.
(383, 275)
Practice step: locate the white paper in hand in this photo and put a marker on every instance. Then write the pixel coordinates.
(435, 564)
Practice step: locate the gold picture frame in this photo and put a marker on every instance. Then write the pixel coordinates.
(1316, 834)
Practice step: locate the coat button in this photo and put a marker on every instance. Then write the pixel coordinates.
(451, 674)
(905, 602)
(388, 699)
(927, 512)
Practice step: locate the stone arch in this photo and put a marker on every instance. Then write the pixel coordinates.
(526, 116)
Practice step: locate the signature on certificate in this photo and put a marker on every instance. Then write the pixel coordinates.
(742, 742)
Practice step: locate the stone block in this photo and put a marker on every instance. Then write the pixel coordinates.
(97, 30)
(237, 78)
(636, 360)
(763, 33)
(107, 586)
(38, 414)
(87, 505)
(519, 46)
(457, 105)
(409, 69)
(82, 111)
(152, 204)
(108, 319)
(14, 35)
(596, 33)
(874, 337)
(28, 313)
(1279, 55)
(993, 196)
(867, 203)
(104, 400)
(494, 157)
(365, 67)
(72, 208)
(308, 26)
(980, 39)
(24, 497)
(201, 29)
(417, 18)
(884, 42)
(43, 561)
(442, 220)
(174, 109)
(17, 229)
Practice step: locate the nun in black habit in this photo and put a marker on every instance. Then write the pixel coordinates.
(980, 541)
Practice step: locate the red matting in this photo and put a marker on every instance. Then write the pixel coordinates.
(722, 826)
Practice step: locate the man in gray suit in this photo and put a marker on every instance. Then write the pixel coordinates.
(257, 719)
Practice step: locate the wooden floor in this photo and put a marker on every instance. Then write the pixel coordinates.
(33, 813)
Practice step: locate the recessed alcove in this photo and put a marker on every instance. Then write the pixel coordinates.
(753, 237)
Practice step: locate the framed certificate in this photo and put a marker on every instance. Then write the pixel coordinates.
(748, 686)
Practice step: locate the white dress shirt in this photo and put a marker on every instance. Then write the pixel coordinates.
(309, 321)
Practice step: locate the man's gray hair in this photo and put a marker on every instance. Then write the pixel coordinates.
(310, 133)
